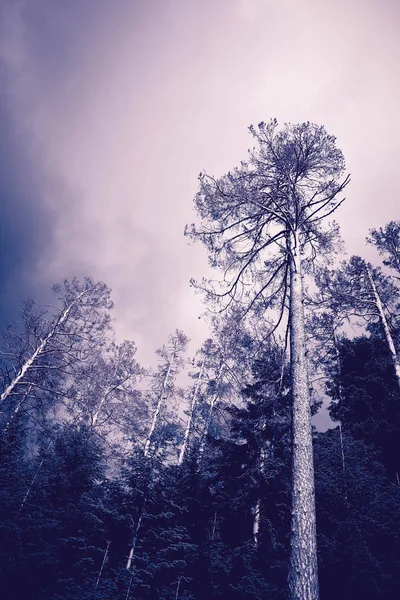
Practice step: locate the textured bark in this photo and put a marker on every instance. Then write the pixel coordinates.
(303, 574)
(388, 336)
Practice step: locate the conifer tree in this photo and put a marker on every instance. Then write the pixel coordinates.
(262, 224)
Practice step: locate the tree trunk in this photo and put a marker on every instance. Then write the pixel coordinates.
(17, 408)
(102, 565)
(257, 508)
(32, 483)
(158, 408)
(134, 541)
(340, 398)
(30, 362)
(256, 522)
(385, 326)
(209, 417)
(192, 408)
(303, 574)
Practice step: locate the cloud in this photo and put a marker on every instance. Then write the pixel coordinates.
(113, 109)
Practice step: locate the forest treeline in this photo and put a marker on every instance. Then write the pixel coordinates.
(202, 476)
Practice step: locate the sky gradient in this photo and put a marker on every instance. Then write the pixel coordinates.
(109, 109)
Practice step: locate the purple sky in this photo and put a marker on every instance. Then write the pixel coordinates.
(111, 108)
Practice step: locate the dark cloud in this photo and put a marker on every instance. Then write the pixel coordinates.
(26, 223)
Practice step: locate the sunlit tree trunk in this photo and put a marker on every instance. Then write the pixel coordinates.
(303, 574)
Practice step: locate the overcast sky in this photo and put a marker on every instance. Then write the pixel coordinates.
(110, 109)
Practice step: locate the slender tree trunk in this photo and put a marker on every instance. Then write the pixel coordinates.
(102, 565)
(32, 483)
(30, 362)
(101, 404)
(158, 408)
(17, 408)
(303, 574)
(192, 409)
(256, 522)
(257, 508)
(134, 541)
(214, 527)
(340, 398)
(178, 586)
(385, 326)
(209, 417)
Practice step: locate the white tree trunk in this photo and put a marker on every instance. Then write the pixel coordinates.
(134, 541)
(388, 336)
(303, 574)
(30, 362)
(192, 409)
(158, 408)
(340, 398)
(209, 417)
(32, 483)
(256, 523)
(102, 565)
(257, 508)
(177, 587)
(17, 408)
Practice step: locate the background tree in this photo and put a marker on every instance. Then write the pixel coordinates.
(360, 290)
(163, 380)
(41, 362)
(387, 242)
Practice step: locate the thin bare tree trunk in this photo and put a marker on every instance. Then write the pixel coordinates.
(17, 408)
(177, 587)
(158, 408)
(30, 362)
(256, 523)
(388, 336)
(32, 483)
(134, 541)
(340, 398)
(102, 565)
(303, 574)
(214, 527)
(209, 417)
(192, 409)
(257, 508)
